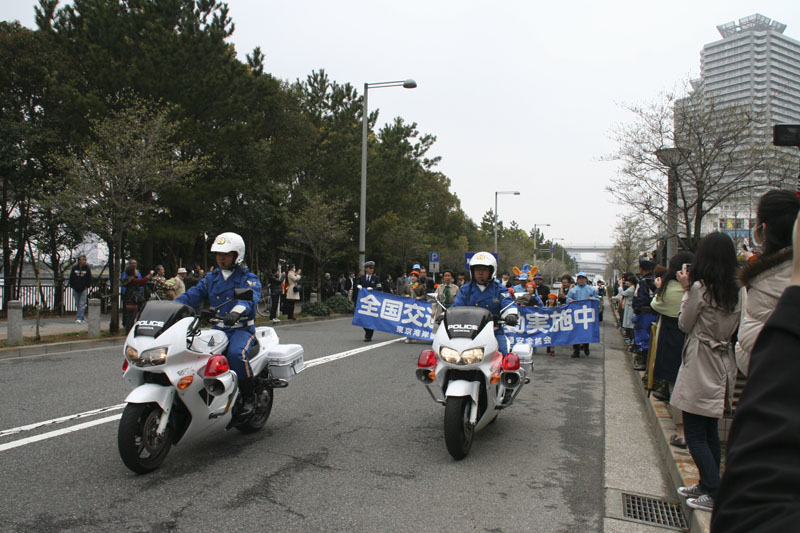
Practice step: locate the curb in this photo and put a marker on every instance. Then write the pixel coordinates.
(73, 346)
(679, 464)
(58, 347)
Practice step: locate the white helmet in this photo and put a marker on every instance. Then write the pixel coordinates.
(229, 242)
(484, 259)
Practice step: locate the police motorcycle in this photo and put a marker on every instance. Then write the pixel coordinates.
(182, 385)
(465, 372)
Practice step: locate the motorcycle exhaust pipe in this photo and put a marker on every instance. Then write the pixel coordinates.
(510, 379)
(219, 385)
(424, 375)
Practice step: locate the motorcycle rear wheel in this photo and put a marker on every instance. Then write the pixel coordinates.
(458, 432)
(139, 447)
(264, 396)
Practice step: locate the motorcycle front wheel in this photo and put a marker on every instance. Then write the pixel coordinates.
(139, 447)
(458, 432)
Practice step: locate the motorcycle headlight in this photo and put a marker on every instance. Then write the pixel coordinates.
(131, 354)
(450, 355)
(152, 357)
(470, 357)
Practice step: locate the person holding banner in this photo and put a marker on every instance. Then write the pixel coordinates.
(370, 281)
(581, 291)
(486, 292)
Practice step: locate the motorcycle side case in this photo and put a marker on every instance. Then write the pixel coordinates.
(525, 354)
(285, 361)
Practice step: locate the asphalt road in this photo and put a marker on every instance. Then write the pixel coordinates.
(355, 444)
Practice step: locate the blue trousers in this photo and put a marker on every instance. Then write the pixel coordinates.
(641, 326)
(502, 342)
(239, 342)
(702, 439)
(80, 303)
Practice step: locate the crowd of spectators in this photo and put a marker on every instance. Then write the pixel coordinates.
(712, 312)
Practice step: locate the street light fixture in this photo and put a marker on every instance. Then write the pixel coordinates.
(534, 239)
(515, 193)
(362, 219)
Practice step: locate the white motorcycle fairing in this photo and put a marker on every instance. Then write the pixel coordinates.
(172, 364)
(459, 374)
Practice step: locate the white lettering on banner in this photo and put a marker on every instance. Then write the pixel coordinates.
(370, 305)
(391, 310)
(538, 322)
(584, 316)
(414, 312)
(565, 323)
(556, 317)
(399, 330)
(547, 340)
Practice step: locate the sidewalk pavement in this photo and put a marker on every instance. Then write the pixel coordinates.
(676, 463)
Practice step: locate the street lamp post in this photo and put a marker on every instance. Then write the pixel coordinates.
(553, 259)
(534, 240)
(515, 193)
(362, 219)
(671, 157)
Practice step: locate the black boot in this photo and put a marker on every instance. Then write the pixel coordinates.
(247, 399)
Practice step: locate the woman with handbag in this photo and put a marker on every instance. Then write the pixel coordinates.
(292, 290)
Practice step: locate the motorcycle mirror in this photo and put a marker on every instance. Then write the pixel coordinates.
(243, 294)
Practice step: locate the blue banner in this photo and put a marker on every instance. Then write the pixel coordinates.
(382, 311)
(574, 323)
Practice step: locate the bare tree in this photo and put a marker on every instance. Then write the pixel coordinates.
(631, 237)
(720, 156)
(116, 180)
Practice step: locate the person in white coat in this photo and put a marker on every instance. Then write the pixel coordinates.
(709, 316)
(292, 291)
(766, 275)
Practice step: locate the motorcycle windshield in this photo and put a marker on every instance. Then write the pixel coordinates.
(466, 322)
(158, 316)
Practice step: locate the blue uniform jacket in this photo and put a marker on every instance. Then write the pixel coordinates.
(218, 290)
(581, 293)
(494, 298)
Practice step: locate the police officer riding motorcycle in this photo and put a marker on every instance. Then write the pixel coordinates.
(486, 292)
(237, 316)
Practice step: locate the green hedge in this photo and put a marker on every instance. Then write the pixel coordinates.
(337, 304)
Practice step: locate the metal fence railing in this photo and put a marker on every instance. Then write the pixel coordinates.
(29, 295)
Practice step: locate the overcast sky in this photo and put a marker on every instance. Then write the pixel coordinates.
(521, 95)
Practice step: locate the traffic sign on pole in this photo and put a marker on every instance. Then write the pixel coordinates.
(433, 262)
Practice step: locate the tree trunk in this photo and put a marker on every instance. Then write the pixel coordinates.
(114, 245)
(58, 274)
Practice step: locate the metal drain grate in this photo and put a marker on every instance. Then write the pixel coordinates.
(653, 511)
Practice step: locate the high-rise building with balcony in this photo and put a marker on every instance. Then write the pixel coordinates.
(757, 68)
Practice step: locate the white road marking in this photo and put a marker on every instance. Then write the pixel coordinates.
(58, 432)
(78, 427)
(86, 414)
(342, 355)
